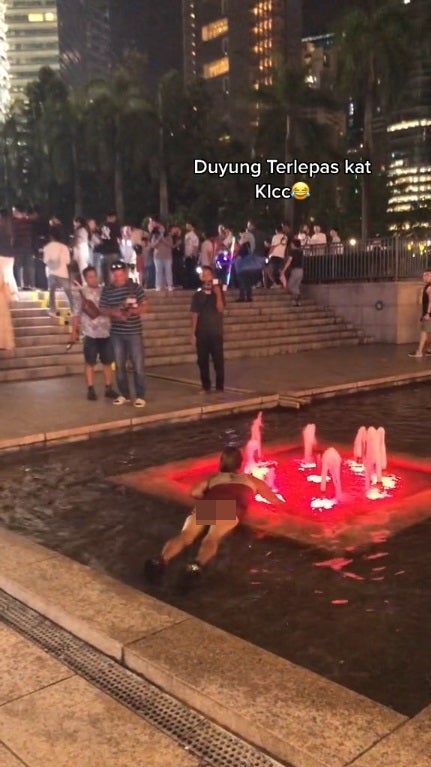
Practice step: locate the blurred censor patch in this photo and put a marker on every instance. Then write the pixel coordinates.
(211, 512)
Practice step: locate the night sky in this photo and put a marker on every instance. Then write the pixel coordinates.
(320, 16)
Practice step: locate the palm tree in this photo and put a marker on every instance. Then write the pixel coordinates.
(292, 121)
(117, 104)
(374, 54)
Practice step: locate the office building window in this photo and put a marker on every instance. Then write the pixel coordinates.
(216, 68)
(215, 29)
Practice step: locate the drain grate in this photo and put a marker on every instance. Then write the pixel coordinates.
(216, 746)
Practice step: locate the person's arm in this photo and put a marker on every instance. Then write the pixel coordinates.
(143, 305)
(194, 326)
(287, 264)
(200, 489)
(428, 315)
(262, 488)
(219, 298)
(113, 313)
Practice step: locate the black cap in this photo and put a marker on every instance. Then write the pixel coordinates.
(118, 265)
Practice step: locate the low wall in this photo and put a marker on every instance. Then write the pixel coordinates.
(387, 311)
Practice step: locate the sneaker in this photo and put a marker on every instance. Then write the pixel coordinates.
(190, 577)
(418, 355)
(121, 400)
(110, 393)
(91, 394)
(139, 402)
(154, 569)
(53, 315)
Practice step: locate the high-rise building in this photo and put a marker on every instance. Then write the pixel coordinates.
(85, 40)
(233, 43)
(409, 144)
(31, 33)
(4, 71)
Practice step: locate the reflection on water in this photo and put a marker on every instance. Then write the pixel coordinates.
(356, 625)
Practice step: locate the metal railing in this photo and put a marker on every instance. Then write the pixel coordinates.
(377, 261)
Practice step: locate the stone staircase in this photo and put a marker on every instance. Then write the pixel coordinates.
(270, 325)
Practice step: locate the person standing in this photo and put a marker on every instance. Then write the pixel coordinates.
(191, 253)
(7, 335)
(56, 257)
(294, 263)
(81, 247)
(276, 256)
(109, 247)
(425, 317)
(206, 254)
(207, 309)
(124, 303)
(96, 332)
(162, 245)
(22, 245)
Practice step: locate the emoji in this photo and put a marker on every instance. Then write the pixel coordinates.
(300, 190)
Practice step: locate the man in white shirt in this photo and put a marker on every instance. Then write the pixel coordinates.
(56, 257)
(206, 255)
(276, 255)
(318, 238)
(191, 242)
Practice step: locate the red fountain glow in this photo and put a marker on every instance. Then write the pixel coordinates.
(403, 498)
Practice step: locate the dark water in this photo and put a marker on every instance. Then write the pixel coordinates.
(264, 590)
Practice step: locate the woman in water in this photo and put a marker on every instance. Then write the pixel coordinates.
(229, 484)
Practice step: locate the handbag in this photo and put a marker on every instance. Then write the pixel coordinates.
(250, 263)
(89, 308)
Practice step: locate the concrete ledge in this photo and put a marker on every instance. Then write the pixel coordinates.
(94, 607)
(322, 392)
(292, 713)
(94, 431)
(409, 746)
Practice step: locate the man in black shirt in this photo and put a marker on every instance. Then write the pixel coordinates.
(207, 309)
(109, 247)
(295, 264)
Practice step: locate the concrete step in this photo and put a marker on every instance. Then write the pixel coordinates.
(49, 360)
(75, 368)
(34, 331)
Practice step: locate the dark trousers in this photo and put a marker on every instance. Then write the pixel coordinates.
(246, 280)
(210, 346)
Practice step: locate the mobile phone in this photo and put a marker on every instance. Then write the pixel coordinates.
(215, 282)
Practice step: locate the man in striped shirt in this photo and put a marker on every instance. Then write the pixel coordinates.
(125, 303)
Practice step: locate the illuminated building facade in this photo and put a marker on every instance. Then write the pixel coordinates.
(85, 40)
(232, 44)
(31, 42)
(4, 70)
(409, 143)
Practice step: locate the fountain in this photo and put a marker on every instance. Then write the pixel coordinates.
(331, 464)
(373, 459)
(359, 445)
(364, 503)
(309, 439)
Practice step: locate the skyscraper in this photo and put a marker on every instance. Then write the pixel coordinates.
(409, 145)
(232, 44)
(31, 35)
(85, 40)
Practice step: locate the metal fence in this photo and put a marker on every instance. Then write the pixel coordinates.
(377, 261)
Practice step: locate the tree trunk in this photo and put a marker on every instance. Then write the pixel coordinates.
(288, 204)
(118, 177)
(163, 176)
(77, 188)
(367, 153)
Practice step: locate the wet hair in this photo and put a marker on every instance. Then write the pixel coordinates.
(230, 460)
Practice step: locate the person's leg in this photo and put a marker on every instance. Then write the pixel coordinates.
(90, 359)
(52, 284)
(210, 544)
(168, 274)
(137, 357)
(191, 530)
(294, 284)
(28, 270)
(203, 353)
(106, 355)
(17, 269)
(120, 347)
(67, 288)
(249, 286)
(158, 265)
(217, 354)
